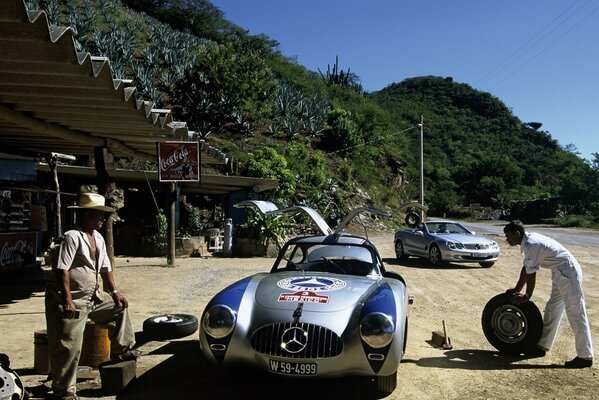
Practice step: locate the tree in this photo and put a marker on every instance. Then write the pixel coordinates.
(268, 163)
(228, 86)
(340, 133)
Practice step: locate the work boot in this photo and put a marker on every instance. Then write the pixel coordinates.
(579, 363)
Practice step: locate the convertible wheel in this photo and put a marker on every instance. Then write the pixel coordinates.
(170, 326)
(510, 328)
(386, 384)
(487, 264)
(434, 255)
(399, 253)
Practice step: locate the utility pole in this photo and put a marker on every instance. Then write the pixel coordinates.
(421, 125)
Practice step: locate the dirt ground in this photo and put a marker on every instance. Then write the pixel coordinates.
(456, 293)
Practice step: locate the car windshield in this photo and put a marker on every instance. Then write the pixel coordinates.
(335, 258)
(445, 227)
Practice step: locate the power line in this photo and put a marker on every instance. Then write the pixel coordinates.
(537, 39)
(520, 50)
(543, 49)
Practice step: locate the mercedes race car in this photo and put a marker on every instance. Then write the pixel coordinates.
(327, 308)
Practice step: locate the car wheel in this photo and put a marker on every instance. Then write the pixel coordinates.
(511, 328)
(399, 252)
(386, 384)
(434, 255)
(170, 326)
(487, 264)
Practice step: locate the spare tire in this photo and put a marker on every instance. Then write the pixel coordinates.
(412, 219)
(170, 326)
(512, 328)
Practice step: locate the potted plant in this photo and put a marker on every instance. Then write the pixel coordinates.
(260, 235)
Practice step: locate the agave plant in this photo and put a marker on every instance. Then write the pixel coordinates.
(52, 8)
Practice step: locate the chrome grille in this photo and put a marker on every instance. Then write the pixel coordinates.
(476, 246)
(321, 342)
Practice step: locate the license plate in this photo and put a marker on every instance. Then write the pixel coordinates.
(292, 368)
(479, 255)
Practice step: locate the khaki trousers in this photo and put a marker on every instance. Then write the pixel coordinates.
(65, 337)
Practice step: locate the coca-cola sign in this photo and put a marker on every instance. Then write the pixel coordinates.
(17, 251)
(178, 161)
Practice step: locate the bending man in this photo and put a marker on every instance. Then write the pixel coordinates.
(566, 290)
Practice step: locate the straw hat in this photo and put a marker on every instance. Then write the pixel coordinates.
(92, 201)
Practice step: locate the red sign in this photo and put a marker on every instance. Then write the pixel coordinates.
(17, 251)
(178, 161)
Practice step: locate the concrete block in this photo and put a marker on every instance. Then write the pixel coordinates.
(116, 376)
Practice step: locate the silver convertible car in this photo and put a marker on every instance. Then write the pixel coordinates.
(446, 241)
(327, 308)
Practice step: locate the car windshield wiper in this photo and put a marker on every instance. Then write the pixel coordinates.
(334, 264)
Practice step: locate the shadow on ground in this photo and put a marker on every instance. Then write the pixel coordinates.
(477, 360)
(422, 263)
(188, 375)
(19, 287)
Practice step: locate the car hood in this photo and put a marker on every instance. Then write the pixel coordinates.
(317, 292)
(464, 238)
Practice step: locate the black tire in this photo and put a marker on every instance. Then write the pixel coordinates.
(386, 384)
(170, 326)
(434, 255)
(487, 264)
(510, 328)
(399, 252)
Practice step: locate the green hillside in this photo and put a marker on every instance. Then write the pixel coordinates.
(332, 145)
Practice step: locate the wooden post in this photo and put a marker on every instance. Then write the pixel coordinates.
(52, 161)
(103, 178)
(171, 225)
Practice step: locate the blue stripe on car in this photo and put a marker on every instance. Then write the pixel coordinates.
(381, 300)
(231, 297)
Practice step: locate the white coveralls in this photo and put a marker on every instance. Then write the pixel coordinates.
(566, 290)
(65, 336)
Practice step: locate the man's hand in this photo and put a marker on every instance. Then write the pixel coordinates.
(69, 310)
(520, 298)
(119, 299)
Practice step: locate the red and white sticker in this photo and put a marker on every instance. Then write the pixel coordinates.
(303, 297)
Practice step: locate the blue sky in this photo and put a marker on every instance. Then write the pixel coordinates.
(540, 57)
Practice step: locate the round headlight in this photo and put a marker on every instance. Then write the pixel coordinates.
(377, 330)
(219, 321)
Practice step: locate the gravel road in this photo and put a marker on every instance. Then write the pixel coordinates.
(455, 293)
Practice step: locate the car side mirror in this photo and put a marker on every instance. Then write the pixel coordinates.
(419, 232)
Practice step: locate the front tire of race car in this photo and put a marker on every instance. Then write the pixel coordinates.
(512, 328)
(386, 384)
(169, 326)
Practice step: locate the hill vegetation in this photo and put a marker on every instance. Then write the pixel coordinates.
(332, 145)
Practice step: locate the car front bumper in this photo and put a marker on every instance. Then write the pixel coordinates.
(466, 255)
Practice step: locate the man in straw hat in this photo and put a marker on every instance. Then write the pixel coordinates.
(76, 296)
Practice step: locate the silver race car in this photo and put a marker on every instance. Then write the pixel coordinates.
(327, 308)
(446, 241)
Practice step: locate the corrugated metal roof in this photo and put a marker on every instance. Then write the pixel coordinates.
(213, 185)
(55, 99)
